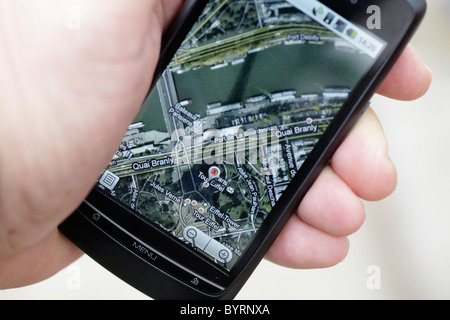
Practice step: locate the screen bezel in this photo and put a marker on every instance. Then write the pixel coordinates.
(395, 32)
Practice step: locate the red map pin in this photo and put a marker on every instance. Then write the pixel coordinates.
(213, 172)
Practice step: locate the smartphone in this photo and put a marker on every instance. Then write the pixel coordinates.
(249, 102)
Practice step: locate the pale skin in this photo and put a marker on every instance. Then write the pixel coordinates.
(67, 98)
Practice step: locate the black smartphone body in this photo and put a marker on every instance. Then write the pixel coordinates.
(249, 103)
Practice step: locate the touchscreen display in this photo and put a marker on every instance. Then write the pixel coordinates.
(244, 101)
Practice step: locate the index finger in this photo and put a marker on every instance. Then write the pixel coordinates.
(409, 78)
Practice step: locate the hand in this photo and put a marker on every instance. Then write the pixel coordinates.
(67, 99)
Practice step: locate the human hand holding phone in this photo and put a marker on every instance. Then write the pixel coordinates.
(72, 78)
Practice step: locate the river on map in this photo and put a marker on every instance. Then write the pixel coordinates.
(306, 68)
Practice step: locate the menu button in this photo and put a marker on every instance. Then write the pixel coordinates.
(144, 251)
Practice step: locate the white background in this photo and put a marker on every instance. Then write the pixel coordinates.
(405, 239)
